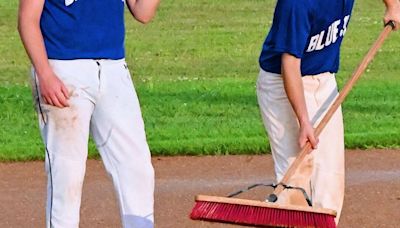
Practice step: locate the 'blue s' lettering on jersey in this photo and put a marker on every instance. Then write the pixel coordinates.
(312, 30)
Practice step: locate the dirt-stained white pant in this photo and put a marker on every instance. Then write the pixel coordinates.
(103, 102)
(326, 180)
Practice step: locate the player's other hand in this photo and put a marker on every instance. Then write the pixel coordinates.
(307, 135)
(53, 90)
(393, 14)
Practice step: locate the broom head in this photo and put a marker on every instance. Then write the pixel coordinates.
(259, 213)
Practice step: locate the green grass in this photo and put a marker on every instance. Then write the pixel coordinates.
(195, 68)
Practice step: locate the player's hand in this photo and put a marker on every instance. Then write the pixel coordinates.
(53, 91)
(393, 14)
(307, 135)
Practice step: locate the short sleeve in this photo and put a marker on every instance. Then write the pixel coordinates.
(291, 27)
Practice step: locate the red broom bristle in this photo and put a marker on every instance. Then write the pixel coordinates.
(259, 216)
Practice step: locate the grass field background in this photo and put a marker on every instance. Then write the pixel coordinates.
(195, 68)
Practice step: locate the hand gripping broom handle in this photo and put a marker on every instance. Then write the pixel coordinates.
(339, 100)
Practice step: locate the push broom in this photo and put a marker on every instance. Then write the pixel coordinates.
(261, 213)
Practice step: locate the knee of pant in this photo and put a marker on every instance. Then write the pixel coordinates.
(147, 171)
(144, 169)
(66, 170)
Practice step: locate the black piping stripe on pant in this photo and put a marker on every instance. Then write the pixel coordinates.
(47, 151)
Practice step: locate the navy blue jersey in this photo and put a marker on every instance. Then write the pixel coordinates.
(83, 30)
(311, 30)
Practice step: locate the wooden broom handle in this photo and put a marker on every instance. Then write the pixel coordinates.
(339, 100)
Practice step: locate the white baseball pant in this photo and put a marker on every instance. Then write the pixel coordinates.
(326, 184)
(103, 102)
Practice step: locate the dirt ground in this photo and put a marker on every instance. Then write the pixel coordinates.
(372, 189)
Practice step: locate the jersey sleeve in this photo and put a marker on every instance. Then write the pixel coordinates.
(291, 27)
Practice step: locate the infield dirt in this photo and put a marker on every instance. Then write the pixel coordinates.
(372, 189)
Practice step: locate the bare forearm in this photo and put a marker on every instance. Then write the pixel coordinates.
(32, 38)
(33, 42)
(294, 86)
(143, 10)
(52, 89)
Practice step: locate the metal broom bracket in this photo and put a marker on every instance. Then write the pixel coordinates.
(249, 188)
(273, 197)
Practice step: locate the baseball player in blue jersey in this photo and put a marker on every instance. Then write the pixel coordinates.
(296, 85)
(81, 85)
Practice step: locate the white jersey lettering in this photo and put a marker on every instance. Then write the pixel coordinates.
(329, 36)
(320, 45)
(313, 43)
